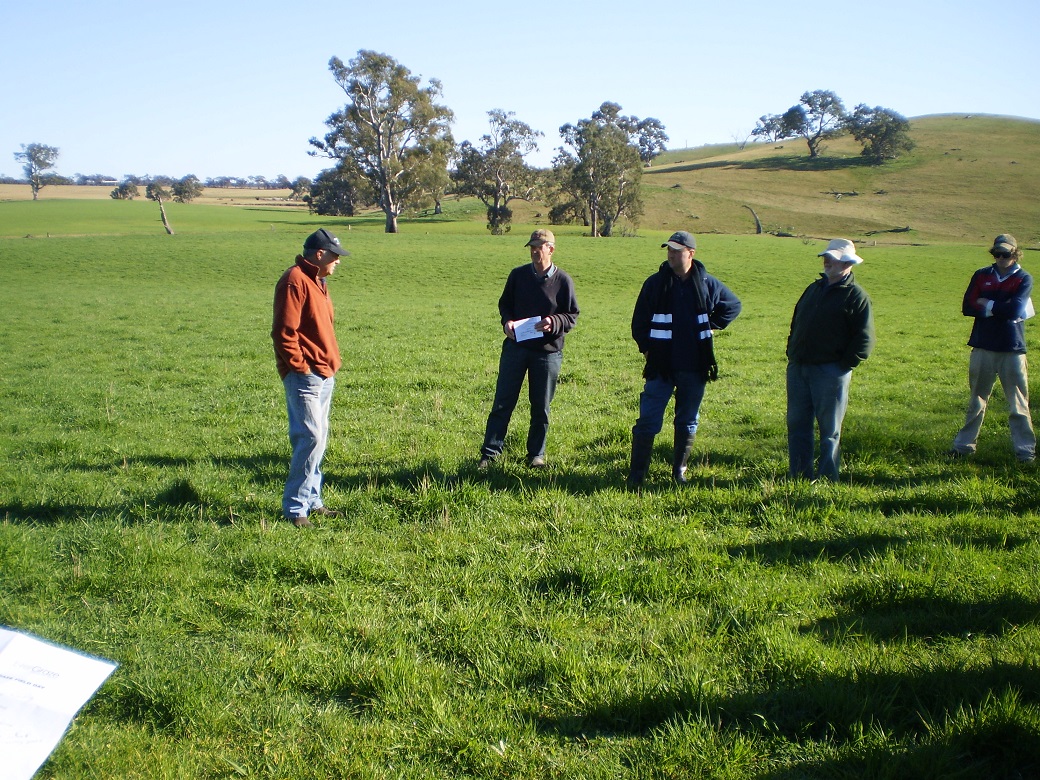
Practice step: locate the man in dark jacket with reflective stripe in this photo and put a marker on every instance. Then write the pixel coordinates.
(832, 332)
(675, 314)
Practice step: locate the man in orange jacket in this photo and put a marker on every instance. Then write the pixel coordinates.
(308, 358)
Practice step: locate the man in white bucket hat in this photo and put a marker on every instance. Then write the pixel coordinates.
(832, 332)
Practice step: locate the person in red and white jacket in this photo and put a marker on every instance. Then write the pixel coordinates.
(999, 299)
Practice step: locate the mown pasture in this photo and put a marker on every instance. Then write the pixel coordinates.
(508, 624)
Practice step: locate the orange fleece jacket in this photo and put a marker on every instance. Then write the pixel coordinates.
(304, 339)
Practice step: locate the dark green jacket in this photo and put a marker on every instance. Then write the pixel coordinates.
(832, 324)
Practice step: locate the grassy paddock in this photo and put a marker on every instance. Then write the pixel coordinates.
(508, 624)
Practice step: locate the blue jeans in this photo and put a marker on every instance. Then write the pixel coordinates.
(542, 370)
(817, 393)
(657, 392)
(308, 398)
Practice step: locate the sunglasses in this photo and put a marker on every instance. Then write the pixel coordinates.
(1002, 255)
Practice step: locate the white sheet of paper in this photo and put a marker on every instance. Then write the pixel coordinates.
(524, 329)
(1030, 311)
(42, 687)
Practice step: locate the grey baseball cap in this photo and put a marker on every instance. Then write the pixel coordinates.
(680, 239)
(1005, 242)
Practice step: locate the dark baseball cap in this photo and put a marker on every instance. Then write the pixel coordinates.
(680, 239)
(323, 239)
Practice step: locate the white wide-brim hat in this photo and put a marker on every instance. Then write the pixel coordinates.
(842, 250)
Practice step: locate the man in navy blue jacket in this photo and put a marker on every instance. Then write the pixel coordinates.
(998, 297)
(675, 314)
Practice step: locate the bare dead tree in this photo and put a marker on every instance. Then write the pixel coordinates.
(758, 222)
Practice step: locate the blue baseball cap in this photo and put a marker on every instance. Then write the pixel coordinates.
(680, 239)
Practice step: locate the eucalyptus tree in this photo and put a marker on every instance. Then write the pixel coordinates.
(333, 193)
(125, 190)
(777, 127)
(883, 132)
(159, 190)
(35, 159)
(817, 116)
(650, 138)
(599, 164)
(392, 132)
(185, 190)
(824, 118)
(300, 186)
(495, 171)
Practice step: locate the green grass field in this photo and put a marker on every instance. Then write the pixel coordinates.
(511, 623)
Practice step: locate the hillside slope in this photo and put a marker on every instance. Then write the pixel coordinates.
(969, 178)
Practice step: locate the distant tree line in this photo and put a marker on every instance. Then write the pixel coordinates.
(37, 163)
(189, 187)
(393, 150)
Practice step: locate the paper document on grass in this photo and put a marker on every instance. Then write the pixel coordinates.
(524, 329)
(42, 687)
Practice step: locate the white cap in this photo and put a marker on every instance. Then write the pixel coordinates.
(842, 250)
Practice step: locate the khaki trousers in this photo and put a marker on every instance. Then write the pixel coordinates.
(984, 368)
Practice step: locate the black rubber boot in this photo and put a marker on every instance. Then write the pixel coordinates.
(683, 447)
(642, 451)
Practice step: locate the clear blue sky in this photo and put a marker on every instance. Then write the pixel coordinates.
(237, 88)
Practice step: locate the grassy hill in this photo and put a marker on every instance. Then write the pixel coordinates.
(969, 177)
